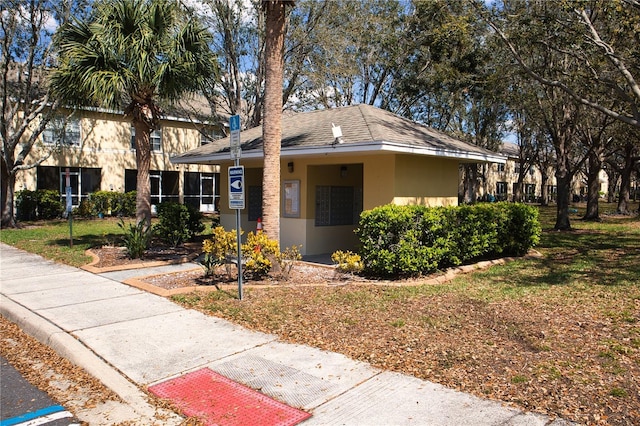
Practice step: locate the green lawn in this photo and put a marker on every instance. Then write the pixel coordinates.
(558, 334)
(51, 239)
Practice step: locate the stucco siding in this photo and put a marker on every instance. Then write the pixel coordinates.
(378, 177)
(425, 180)
(105, 144)
(327, 239)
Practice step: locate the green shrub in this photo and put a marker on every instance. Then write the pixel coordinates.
(402, 240)
(38, 205)
(124, 204)
(177, 223)
(49, 204)
(85, 209)
(474, 231)
(102, 202)
(522, 230)
(413, 240)
(26, 205)
(194, 223)
(108, 203)
(136, 238)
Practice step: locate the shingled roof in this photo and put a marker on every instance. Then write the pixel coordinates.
(365, 129)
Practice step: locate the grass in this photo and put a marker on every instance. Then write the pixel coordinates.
(52, 239)
(558, 334)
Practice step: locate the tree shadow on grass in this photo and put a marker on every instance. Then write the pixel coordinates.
(88, 240)
(588, 257)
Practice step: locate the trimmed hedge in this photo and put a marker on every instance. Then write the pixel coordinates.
(399, 241)
(177, 223)
(108, 203)
(41, 204)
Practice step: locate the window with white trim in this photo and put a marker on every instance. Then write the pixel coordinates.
(155, 139)
(62, 132)
(501, 191)
(210, 134)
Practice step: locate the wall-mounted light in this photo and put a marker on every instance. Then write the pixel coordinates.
(290, 166)
(343, 171)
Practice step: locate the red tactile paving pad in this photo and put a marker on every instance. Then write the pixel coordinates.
(217, 400)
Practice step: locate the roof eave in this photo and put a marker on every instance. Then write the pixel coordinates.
(350, 148)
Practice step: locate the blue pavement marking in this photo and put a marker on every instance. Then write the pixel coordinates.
(38, 417)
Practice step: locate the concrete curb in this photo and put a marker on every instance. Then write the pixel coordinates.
(73, 350)
(139, 265)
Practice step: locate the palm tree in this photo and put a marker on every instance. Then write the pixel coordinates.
(275, 11)
(133, 55)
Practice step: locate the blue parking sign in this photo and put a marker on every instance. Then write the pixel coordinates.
(234, 123)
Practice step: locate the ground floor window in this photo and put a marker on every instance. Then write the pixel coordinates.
(552, 192)
(530, 192)
(83, 181)
(501, 191)
(338, 205)
(164, 185)
(202, 190)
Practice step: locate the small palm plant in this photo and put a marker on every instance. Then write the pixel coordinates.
(136, 238)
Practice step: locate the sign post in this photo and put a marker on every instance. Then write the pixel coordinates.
(236, 188)
(69, 203)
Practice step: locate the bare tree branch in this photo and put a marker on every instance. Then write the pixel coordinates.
(633, 121)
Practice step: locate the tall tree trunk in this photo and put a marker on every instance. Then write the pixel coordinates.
(470, 183)
(272, 123)
(8, 188)
(143, 162)
(517, 190)
(625, 180)
(563, 180)
(593, 187)
(544, 189)
(612, 177)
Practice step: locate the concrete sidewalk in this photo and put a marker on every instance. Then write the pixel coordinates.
(125, 336)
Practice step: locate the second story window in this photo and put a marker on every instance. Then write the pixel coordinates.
(155, 139)
(210, 134)
(62, 132)
(500, 167)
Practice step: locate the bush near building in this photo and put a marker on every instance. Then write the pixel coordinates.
(108, 203)
(401, 241)
(41, 204)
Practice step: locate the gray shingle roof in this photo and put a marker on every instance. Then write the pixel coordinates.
(510, 149)
(361, 125)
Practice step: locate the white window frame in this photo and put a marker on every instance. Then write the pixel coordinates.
(155, 139)
(210, 134)
(63, 132)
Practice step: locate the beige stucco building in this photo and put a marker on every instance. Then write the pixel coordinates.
(499, 180)
(329, 176)
(97, 148)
